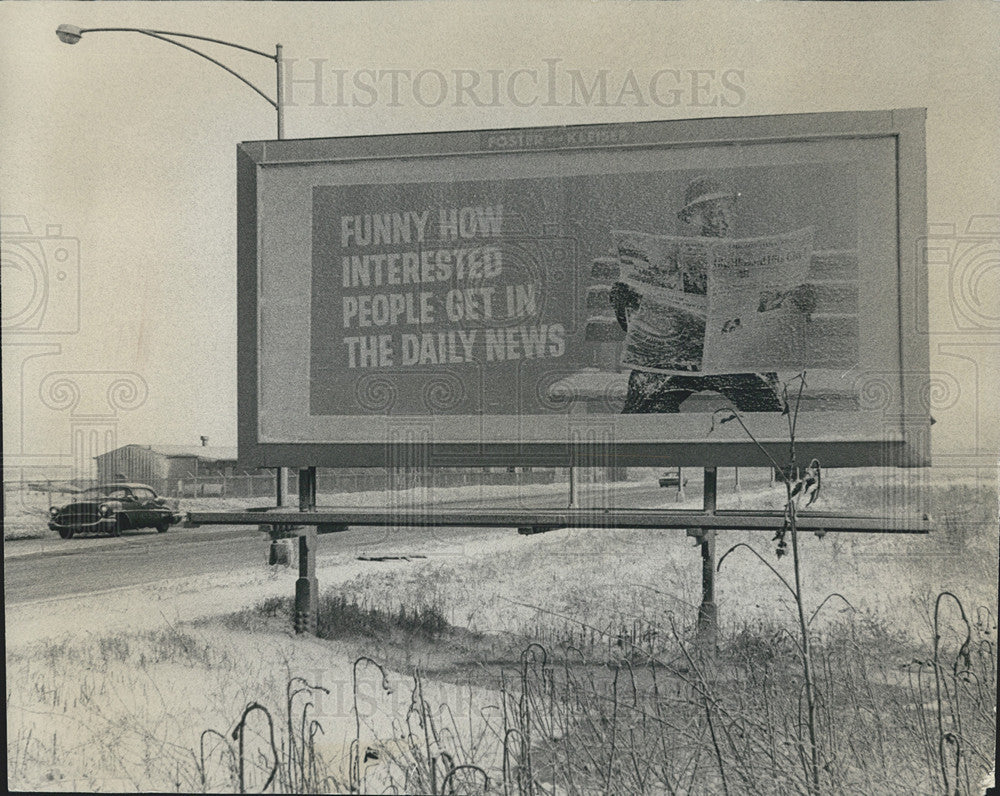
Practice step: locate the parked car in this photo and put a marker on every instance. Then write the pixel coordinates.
(671, 478)
(113, 508)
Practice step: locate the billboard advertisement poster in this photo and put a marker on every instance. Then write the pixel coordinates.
(586, 295)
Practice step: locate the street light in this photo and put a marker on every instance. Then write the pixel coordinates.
(71, 34)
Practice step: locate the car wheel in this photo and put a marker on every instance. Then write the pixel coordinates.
(163, 527)
(66, 533)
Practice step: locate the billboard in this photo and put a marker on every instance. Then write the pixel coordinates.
(586, 295)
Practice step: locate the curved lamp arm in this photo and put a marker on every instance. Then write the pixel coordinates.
(71, 34)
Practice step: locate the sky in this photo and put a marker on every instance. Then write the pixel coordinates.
(125, 147)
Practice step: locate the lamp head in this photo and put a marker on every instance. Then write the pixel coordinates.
(69, 34)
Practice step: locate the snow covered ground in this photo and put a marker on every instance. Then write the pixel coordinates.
(111, 690)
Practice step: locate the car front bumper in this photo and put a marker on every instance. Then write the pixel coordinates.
(104, 525)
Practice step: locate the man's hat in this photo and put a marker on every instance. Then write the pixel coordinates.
(704, 189)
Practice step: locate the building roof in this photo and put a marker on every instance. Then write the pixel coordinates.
(212, 453)
(117, 484)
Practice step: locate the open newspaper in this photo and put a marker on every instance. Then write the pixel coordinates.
(715, 305)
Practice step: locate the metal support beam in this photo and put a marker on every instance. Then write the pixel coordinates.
(307, 489)
(281, 486)
(307, 586)
(594, 518)
(710, 491)
(708, 612)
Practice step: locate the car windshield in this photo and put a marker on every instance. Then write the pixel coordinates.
(105, 491)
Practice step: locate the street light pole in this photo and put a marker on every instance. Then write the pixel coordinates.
(279, 91)
(71, 34)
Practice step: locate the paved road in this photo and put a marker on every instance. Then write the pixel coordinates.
(83, 565)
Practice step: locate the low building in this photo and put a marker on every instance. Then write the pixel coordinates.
(166, 468)
(203, 471)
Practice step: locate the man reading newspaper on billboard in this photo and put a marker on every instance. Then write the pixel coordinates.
(708, 312)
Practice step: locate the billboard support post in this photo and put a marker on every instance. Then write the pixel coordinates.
(307, 585)
(307, 489)
(708, 611)
(281, 486)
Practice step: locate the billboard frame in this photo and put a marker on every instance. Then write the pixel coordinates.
(907, 444)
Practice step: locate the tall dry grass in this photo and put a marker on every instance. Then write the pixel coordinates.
(656, 712)
(843, 707)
